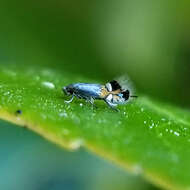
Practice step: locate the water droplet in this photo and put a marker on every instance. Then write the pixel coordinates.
(176, 133)
(48, 84)
(63, 114)
(76, 144)
(18, 118)
(6, 93)
(81, 104)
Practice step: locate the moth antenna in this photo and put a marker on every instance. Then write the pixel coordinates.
(134, 96)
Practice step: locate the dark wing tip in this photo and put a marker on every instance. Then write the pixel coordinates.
(126, 94)
(115, 85)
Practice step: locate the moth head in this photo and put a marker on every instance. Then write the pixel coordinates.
(120, 98)
(126, 95)
(68, 90)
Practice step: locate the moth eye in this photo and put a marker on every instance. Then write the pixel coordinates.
(115, 85)
(108, 86)
(109, 97)
(126, 94)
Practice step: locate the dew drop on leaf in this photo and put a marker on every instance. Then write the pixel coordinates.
(48, 84)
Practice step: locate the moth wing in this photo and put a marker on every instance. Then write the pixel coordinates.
(126, 83)
(127, 86)
(113, 86)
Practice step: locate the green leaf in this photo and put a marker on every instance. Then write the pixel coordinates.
(146, 137)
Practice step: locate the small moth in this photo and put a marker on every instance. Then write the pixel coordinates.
(113, 92)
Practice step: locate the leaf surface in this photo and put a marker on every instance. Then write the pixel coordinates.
(146, 137)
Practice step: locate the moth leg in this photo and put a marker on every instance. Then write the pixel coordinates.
(69, 101)
(91, 101)
(112, 106)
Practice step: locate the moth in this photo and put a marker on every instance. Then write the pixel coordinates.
(113, 92)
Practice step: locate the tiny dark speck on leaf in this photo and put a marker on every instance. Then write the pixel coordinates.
(18, 112)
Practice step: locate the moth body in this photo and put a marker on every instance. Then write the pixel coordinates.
(112, 93)
(84, 90)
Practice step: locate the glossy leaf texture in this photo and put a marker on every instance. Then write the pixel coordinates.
(146, 137)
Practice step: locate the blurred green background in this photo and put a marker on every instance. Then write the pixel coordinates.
(100, 39)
